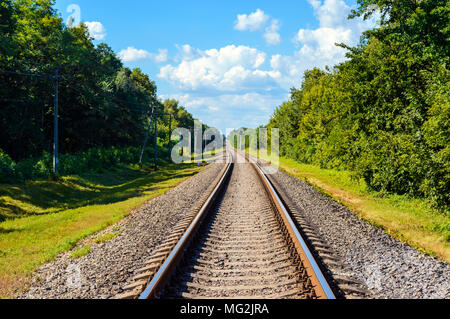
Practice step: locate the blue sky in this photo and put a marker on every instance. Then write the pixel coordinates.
(230, 63)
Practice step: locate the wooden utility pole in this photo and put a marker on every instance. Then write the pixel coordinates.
(55, 126)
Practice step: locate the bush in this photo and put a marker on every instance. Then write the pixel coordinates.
(7, 168)
(43, 167)
(393, 164)
(92, 160)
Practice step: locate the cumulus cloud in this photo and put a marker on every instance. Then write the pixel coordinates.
(240, 85)
(256, 21)
(332, 13)
(252, 22)
(252, 100)
(188, 53)
(321, 43)
(231, 110)
(271, 35)
(334, 28)
(214, 108)
(315, 3)
(162, 56)
(317, 46)
(96, 30)
(132, 54)
(231, 68)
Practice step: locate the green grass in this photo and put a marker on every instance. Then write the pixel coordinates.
(44, 218)
(410, 220)
(205, 157)
(105, 237)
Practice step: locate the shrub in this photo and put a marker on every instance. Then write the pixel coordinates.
(95, 159)
(43, 167)
(7, 168)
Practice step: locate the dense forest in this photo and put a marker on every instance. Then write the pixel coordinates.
(102, 104)
(384, 113)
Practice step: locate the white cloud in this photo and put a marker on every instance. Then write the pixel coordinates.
(236, 86)
(231, 68)
(214, 108)
(188, 53)
(96, 30)
(317, 46)
(321, 42)
(132, 54)
(252, 100)
(231, 110)
(315, 3)
(272, 36)
(334, 28)
(252, 22)
(256, 21)
(332, 13)
(162, 56)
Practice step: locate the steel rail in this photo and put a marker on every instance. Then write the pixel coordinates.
(158, 281)
(315, 275)
(318, 280)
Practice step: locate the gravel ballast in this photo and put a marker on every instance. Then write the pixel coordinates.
(388, 267)
(110, 265)
(241, 252)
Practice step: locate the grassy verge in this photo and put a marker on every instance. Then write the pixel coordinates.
(410, 220)
(45, 218)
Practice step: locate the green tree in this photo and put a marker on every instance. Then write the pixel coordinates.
(384, 112)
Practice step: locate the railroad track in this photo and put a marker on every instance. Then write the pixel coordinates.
(238, 242)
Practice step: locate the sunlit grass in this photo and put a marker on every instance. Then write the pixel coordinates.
(204, 157)
(410, 220)
(80, 252)
(105, 237)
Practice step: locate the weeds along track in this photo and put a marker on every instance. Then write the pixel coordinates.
(236, 244)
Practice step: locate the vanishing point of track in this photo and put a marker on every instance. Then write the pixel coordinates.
(238, 242)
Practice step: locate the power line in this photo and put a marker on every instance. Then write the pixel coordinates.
(50, 76)
(146, 136)
(24, 74)
(18, 100)
(134, 106)
(116, 99)
(55, 111)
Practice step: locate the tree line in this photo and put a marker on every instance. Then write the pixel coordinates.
(384, 113)
(102, 104)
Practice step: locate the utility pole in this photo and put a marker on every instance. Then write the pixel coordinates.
(170, 134)
(55, 126)
(156, 142)
(146, 136)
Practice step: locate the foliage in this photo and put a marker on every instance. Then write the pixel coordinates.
(410, 220)
(41, 219)
(7, 167)
(92, 160)
(384, 113)
(101, 102)
(105, 237)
